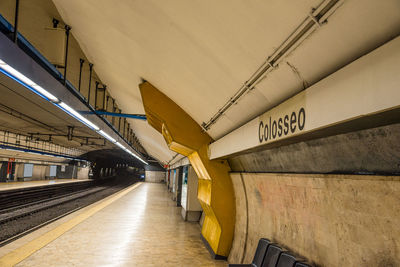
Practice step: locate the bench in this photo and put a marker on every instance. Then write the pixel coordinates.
(269, 254)
(262, 246)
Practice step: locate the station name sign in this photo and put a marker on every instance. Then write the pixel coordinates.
(285, 125)
(349, 94)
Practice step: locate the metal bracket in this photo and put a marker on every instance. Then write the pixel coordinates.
(70, 133)
(313, 18)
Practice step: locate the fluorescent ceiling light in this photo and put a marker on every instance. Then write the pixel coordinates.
(45, 93)
(109, 138)
(17, 74)
(130, 152)
(78, 116)
(27, 82)
(121, 146)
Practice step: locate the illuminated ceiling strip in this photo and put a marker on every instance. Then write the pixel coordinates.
(130, 152)
(18, 149)
(78, 116)
(28, 83)
(105, 135)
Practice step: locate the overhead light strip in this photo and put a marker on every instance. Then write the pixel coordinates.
(130, 152)
(109, 138)
(30, 151)
(78, 116)
(20, 78)
(37, 89)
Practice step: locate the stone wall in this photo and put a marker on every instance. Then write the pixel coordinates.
(333, 220)
(83, 173)
(155, 176)
(350, 153)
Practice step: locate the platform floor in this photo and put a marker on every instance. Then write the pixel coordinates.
(15, 185)
(141, 227)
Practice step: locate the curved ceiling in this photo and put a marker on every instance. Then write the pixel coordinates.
(199, 53)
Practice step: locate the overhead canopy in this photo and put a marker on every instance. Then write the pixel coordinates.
(199, 53)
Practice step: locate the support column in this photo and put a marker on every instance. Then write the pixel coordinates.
(215, 193)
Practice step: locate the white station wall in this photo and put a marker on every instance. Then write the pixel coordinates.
(155, 176)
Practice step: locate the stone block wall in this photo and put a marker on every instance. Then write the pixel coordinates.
(333, 220)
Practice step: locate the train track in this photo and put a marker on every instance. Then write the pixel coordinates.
(16, 197)
(44, 205)
(29, 209)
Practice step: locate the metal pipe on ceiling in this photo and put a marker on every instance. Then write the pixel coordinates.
(67, 30)
(113, 110)
(81, 61)
(15, 36)
(95, 97)
(90, 81)
(317, 17)
(119, 122)
(104, 96)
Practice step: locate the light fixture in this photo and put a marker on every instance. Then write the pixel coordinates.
(78, 116)
(130, 152)
(25, 81)
(45, 93)
(109, 138)
(16, 74)
(25, 150)
(28, 83)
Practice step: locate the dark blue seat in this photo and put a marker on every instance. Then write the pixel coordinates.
(286, 260)
(262, 247)
(272, 255)
(302, 264)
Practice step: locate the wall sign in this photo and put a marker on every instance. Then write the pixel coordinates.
(366, 87)
(283, 126)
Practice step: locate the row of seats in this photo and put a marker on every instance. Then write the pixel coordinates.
(269, 254)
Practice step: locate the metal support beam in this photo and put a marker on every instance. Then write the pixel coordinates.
(113, 110)
(119, 122)
(106, 105)
(15, 37)
(95, 98)
(123, 133)
(117, 114)
(67, 30)
(81, 61)
(90, 80)
(104, 97)
(70, 132)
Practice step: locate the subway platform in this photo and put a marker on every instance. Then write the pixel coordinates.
(19, 185)
(138, 226)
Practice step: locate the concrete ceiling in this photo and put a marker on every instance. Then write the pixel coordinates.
(199, 53)
(23, 112)
(20, 156)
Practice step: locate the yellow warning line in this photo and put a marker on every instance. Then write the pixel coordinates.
(21, 253)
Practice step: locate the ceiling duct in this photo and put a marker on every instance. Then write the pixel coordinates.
(317, 17)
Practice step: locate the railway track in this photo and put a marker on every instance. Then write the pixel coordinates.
(38, 206)
(29, 209)
(22, 196)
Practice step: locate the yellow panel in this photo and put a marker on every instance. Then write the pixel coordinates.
(215, 192)
(198, 166)
(204, 191)
(174, 146)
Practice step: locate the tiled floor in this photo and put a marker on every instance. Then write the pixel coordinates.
(143, 228)
(14, 185)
